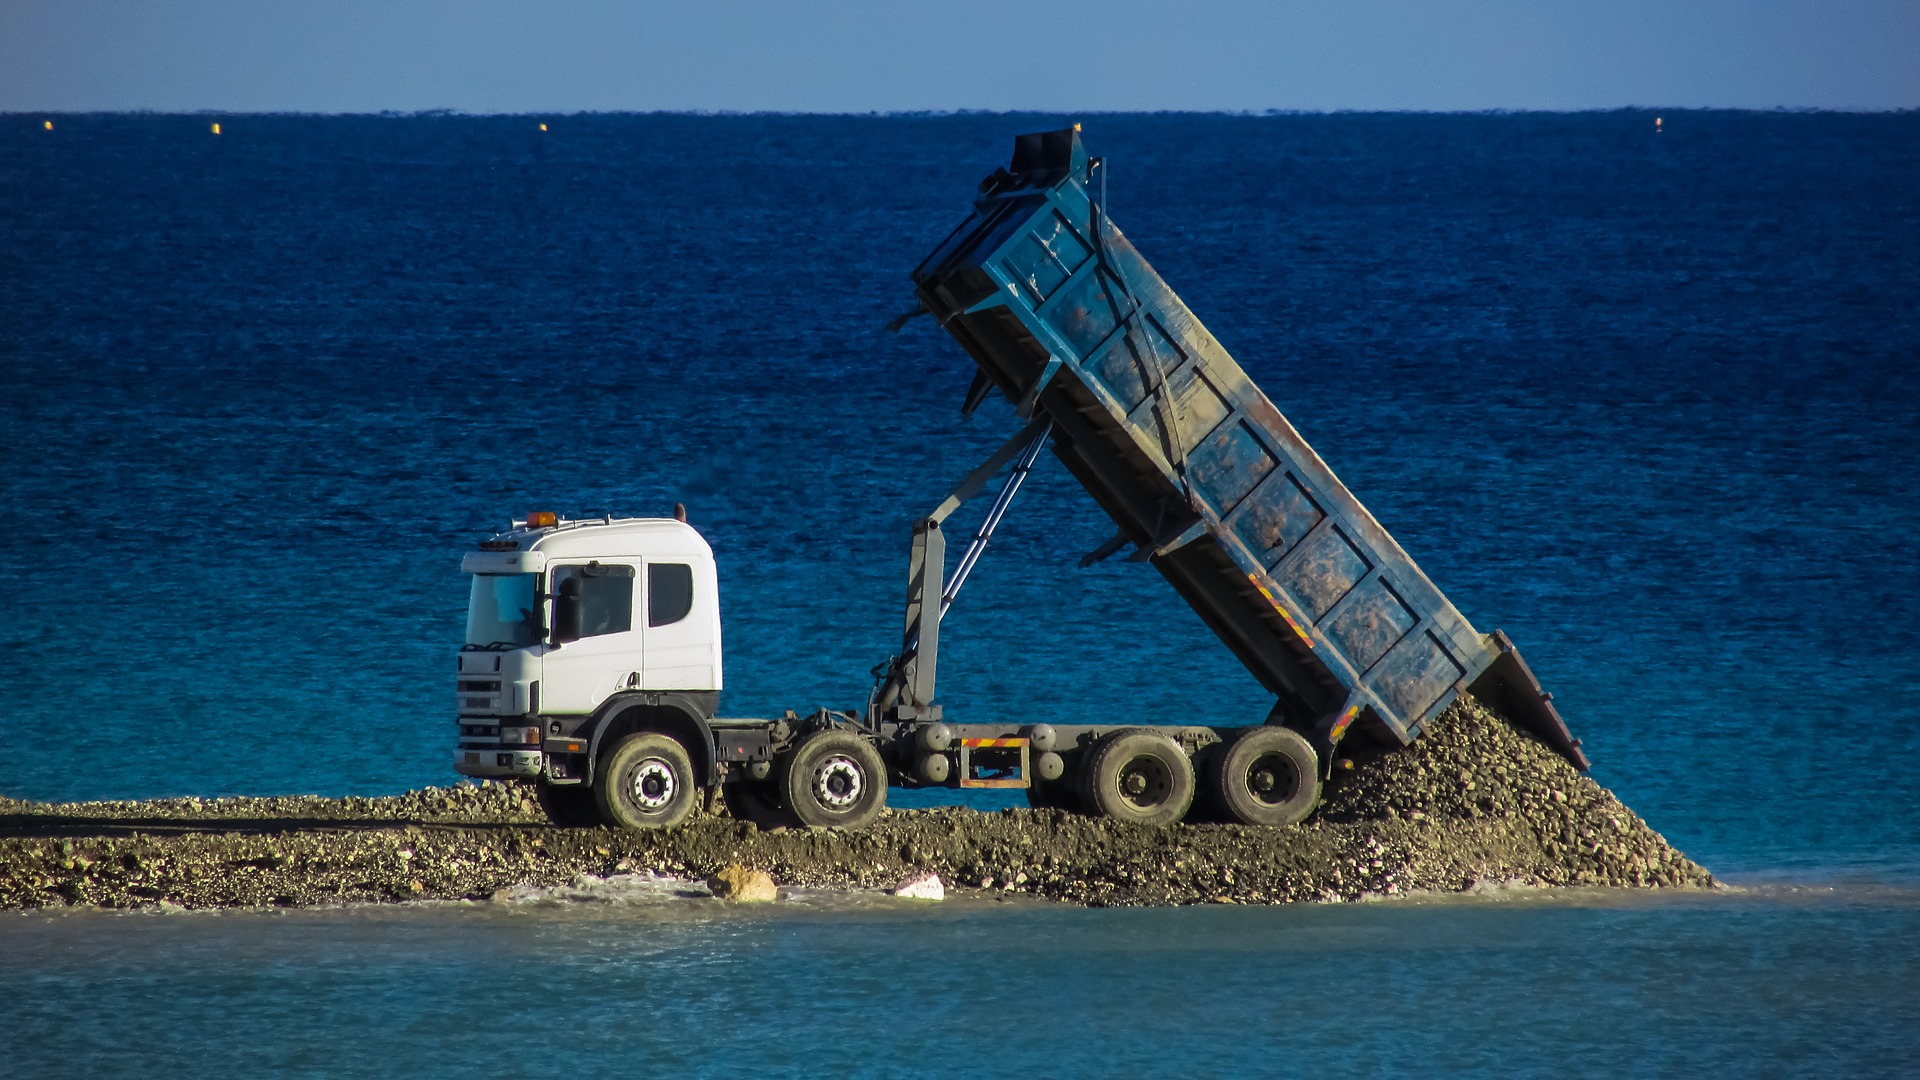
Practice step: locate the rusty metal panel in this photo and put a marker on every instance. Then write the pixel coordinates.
(1227, 466)
(1369, 621)
(1418, 675)
(1197, 466)
(1323, 571)
(1278, 516)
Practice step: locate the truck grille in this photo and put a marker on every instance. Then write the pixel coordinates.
(480, 696)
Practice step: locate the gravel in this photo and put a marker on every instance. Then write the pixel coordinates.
(1474, 804)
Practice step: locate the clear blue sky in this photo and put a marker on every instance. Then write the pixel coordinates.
(852, 55)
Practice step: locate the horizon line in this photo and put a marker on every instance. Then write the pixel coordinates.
(882, 114)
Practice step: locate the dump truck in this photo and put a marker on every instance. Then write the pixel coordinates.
(593, 662)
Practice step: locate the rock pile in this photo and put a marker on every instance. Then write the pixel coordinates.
(1474, 803)
(1475, 772)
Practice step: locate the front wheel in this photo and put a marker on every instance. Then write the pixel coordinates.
(1266, 776)
(645, 783)
(834, 780)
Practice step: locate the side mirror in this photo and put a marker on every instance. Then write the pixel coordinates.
(566, 612)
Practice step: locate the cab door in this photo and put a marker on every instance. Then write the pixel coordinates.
(683, 624)
(597, 639)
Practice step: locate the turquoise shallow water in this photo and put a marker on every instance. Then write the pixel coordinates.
(1775, 982)
(1645, 402)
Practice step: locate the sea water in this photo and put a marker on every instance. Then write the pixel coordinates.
(1645, 399)
(1789, 982)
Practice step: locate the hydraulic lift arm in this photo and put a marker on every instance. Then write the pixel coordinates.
(904, 685)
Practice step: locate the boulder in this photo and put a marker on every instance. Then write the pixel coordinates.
(746, 886)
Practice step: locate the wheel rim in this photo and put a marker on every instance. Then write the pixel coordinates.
(1145, 782)
(653, 784)
(838, 783)
(1272, 779)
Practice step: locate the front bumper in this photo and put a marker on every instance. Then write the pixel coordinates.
(499, 762)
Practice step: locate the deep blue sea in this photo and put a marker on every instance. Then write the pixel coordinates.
(1647, 400)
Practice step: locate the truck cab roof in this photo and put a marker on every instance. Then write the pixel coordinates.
(528, 548)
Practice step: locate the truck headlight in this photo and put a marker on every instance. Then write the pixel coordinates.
(520, 736)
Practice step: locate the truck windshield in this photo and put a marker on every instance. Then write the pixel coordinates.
(504, 613)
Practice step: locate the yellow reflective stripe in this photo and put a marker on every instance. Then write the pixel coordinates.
(1282, 609)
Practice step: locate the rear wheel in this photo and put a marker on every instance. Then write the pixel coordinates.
(834, 780)
(570, 806)
(646, 783)
(1266, 776)
(1139, 776)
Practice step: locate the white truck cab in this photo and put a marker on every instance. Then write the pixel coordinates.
(567, 618)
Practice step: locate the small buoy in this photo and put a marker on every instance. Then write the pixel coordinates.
(1656, 123)
(216, 129)
(48, 125)
(543, 127)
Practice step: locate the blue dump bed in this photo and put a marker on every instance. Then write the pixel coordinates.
(1201, 472)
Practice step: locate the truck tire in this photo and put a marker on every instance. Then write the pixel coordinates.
(1139, 776)
(571, 806)
(757, 801)
(646, 783)
(834, 780)
(1266, 776)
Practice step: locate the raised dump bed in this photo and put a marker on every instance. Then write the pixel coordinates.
(1201, 472)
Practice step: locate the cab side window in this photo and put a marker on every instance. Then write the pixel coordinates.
(596, 598)
(669, 593)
